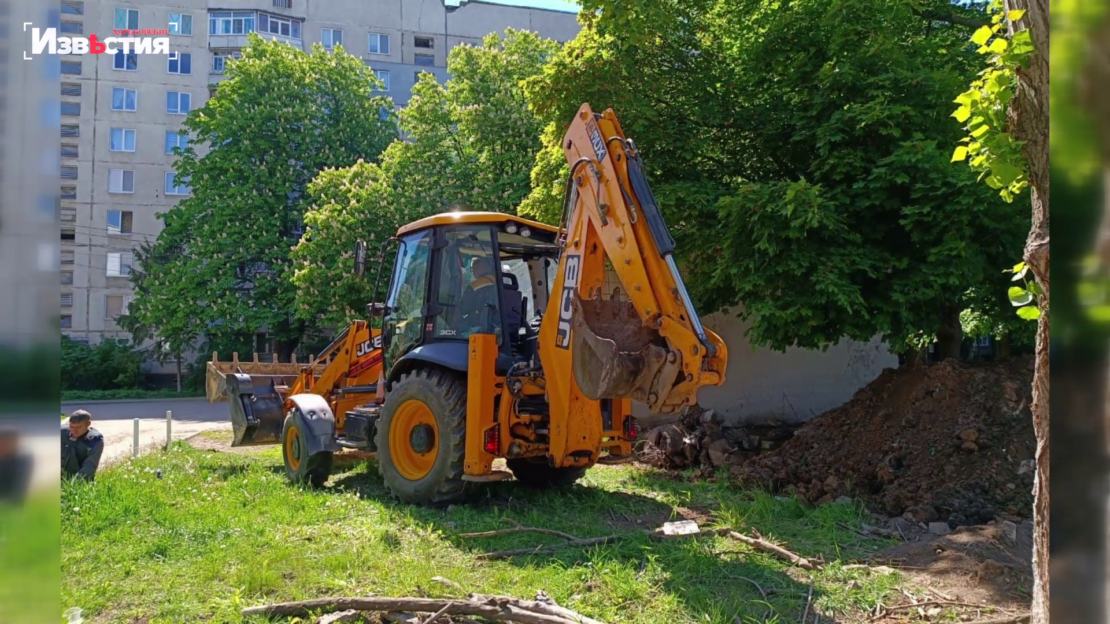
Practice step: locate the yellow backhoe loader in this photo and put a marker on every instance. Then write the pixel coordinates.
(507, 338)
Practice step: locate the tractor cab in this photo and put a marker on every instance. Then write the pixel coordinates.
(465, 273)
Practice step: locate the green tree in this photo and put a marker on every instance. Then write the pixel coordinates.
(800, 152)
(470, 145)
(221, 266)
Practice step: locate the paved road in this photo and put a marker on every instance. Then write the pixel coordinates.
(115, 419)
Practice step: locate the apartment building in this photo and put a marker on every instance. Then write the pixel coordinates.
(120, 113)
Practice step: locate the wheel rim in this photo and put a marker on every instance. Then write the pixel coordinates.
(293, 447)
(413, 440)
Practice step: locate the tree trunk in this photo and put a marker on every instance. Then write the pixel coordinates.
(951, 334)
(1029, 122)
(178, 372)
(1005, 347)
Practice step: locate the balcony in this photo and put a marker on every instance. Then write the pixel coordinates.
(240, 41)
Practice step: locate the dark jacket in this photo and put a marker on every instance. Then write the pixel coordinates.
(81, 457)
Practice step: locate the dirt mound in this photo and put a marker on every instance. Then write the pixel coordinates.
(949, 442)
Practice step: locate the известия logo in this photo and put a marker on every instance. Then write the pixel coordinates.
(137, 41)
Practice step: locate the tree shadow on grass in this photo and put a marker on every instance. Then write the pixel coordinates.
(699, 573)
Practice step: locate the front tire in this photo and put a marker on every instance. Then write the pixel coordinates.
(421, 438)
(300, 466)
(535, 472)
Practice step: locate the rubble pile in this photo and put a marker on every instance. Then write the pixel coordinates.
(699, 440)
(949, 443)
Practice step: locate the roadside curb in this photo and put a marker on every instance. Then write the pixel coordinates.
(78, 404)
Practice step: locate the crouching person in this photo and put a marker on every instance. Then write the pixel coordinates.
(81, 447)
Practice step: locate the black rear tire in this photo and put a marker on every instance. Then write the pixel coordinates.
(299, 467)
(535, 472)
(444, 394)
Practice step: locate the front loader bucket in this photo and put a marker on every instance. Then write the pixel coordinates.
(616, 357)
(257, 410)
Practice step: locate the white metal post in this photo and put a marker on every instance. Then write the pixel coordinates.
(135, 441)
(169, 428)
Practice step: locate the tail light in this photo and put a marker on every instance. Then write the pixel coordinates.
(630, 429)
(492, 440)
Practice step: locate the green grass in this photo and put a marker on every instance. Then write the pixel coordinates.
(29, 554)
(222, 531)
(127, 393)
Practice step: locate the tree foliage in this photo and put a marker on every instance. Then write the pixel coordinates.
(221, 266)
(469, 145)
(109, 365)
(800, 152)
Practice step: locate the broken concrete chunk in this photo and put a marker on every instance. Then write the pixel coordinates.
(1027, 465)
(719, 450)
(1009, 531)
(939, 528)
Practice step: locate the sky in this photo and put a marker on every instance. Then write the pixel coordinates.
(559, 5)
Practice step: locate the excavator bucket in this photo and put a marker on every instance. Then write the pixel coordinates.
(257, 410)
(255, 394)
(616, 357)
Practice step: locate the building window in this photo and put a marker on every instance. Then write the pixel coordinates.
(116, 305)
(71, 88)
(219, 60)
(124, 99)
(427, 43)
(119, 264)
(181, 188)
(379, 43)
(71, 131)
(73, 7)
(279, 26)
(67, 321)
(178, 103)
(75, 28)
(424, 60)
(174, 139)
(69, 173)
(69, 150)
(383, 75)
(67, 300)
(331, 37)
(67, 214)
(67, 277)
(127, 19)
(71, 108)
(69, 234)
(121, 181)
(283, 4)
(181, 63)
(125, 62)
(69, 192)
(72, 68)
(230, 23)
(181, 24)
(122, 140)
(68, 256)
(119, 221)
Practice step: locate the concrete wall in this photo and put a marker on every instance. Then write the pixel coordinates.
(794, 386)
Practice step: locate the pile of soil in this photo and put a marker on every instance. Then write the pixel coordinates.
(948, 442)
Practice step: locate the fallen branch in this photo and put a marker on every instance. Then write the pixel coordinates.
(436, 615)
(809, 598)
(547, 604)
(492, 610)
(341, 617)
(592, 541)
(1013, 619)
(768, 547)
(935, 603)
(518, 529)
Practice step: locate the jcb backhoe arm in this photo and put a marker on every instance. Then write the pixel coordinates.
(645, 343)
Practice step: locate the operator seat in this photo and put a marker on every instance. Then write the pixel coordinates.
(512, 302)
